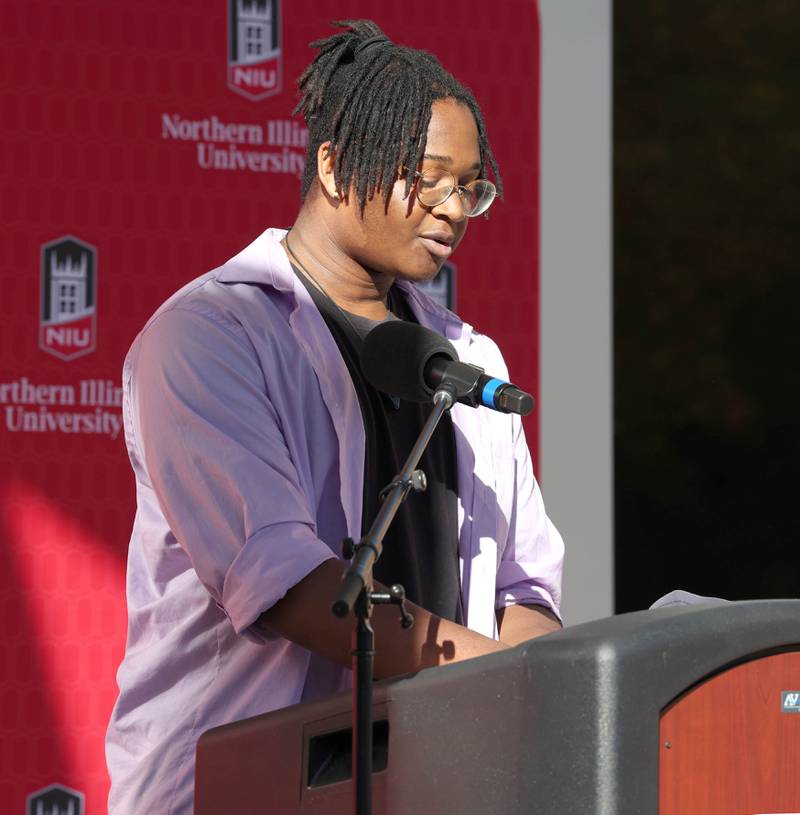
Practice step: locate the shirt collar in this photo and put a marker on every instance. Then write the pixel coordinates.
(432, 315)
(265, 262)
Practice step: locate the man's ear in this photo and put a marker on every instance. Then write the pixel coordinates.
(325, 161)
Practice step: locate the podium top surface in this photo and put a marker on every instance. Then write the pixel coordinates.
(720, 632)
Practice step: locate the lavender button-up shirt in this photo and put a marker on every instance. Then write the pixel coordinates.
(246, 439)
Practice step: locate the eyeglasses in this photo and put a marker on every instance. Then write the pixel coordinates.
(435, 186)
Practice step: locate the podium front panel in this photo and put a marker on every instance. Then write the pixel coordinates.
(568, 723)
(732, 744)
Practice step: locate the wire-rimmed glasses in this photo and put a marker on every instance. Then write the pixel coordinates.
(435, 186)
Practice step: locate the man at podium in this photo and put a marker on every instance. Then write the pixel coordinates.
(258, 444)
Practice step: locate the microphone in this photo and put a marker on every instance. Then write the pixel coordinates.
(407, 360)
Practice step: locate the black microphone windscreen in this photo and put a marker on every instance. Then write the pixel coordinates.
(394, 357)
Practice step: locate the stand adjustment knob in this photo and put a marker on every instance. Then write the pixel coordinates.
(348, 548)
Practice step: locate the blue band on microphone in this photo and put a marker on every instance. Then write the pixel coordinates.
(489, 390)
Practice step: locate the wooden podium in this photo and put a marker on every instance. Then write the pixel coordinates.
(690, 710)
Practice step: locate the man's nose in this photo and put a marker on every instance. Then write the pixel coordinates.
(451, 207)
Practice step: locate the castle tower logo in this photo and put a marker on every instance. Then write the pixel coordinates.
(255, 65)
(67, 322)
(443, 287)
(55, 800)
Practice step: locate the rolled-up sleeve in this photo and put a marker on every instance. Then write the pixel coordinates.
(211, 444)
(531, 566)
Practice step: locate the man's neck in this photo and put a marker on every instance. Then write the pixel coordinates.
(312, 247)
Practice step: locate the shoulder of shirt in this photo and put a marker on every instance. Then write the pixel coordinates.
(433, 312)
(215, 294)
(433, 315)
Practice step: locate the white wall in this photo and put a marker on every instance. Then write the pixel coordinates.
(576, 297)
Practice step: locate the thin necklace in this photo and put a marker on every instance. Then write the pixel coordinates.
(393, 400)
(305, 271)
(320, 287)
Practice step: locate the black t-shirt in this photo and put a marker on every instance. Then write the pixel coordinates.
(420, 549)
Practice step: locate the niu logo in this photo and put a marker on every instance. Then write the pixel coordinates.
(254, 48)
(55, 800)
(67, 319)
(443, 287)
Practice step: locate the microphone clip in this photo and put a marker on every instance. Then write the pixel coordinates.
(470, 385)
(459, 379)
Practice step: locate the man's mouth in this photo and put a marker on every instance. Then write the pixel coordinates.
(440, 245)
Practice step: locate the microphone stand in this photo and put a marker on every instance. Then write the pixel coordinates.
(356, 593)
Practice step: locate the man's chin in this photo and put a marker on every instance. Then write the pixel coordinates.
(419, 275)
(423, 270)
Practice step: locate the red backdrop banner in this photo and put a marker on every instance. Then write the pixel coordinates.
(143, 144)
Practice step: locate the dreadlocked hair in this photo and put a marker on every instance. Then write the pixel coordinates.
(371, 99)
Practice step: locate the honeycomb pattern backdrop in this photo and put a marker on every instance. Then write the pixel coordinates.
(133, 158)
